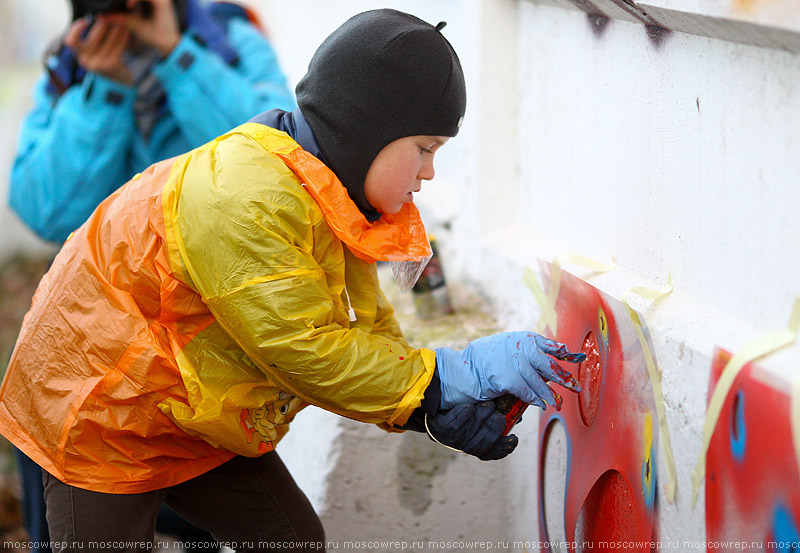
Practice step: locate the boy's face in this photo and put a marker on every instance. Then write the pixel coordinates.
(398, 171)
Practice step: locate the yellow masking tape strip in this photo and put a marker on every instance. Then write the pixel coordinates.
(655, 379)
(552, 293)
(548, 316)
(547, 303)
(755, 349)
(571, 258)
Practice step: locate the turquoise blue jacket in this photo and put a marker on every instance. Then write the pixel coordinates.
(74, 150)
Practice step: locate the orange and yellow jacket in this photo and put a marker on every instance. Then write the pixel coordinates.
(200, 308)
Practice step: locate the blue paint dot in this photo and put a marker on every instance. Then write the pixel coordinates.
(738, 428)
(785, 531)
(649, 478)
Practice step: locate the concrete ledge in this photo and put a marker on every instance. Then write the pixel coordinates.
(774, 26)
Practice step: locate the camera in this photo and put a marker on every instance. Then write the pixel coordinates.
(81, 8)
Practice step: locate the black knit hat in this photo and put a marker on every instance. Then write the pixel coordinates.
(382, 75)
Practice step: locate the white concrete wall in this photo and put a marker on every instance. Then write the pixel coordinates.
(676, 157)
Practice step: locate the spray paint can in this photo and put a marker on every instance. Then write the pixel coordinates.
(431, 298)
(511, 408)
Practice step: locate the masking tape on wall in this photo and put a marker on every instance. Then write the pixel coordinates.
(571, 258)
(547, 316)
(547, 302)
(755, 349)
(654, 373)
(549, 319)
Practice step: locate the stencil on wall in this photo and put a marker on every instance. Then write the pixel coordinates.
(752, 477)
(610, 429)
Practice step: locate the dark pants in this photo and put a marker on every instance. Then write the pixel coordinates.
(248, 504)
(33, 508)
(33, 514)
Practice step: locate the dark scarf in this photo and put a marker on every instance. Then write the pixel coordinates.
(295, 125)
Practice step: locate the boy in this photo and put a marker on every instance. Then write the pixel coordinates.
(215, 295)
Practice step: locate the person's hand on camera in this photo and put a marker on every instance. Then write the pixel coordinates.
(516, 363)
(157, 27)
(99, 49)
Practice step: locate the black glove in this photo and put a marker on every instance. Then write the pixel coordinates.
(474, 428)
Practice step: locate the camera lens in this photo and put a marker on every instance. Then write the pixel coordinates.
(103, 6)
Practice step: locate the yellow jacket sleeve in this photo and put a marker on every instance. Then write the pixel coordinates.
(259, 251)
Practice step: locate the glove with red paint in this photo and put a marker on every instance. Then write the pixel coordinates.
(516, 363)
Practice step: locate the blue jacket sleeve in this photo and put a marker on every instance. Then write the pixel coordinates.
(71, 154)
(207, 97)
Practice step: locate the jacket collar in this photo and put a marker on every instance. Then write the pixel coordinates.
(397, 237)
(295, 125)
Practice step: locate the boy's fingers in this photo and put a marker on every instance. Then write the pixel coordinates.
(548, 369)
(539, 403)
(551, 370)
(488, 433)
(458, 416)
(483, 411)
(560, 375)
(501, 449)
(559, 401)
(559, 350)
(540, 388)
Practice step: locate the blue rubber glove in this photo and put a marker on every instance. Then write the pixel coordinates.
(515, 363)
(474, 428)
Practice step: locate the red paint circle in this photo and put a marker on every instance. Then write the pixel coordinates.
(590, 375)
(606, 519)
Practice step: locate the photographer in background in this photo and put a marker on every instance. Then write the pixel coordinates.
(125, 89)
(131, 83)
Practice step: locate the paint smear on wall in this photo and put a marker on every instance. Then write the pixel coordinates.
(610, 429)
(752, 478)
